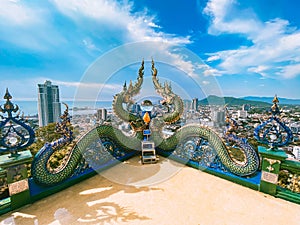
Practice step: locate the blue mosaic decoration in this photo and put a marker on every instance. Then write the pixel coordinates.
(230, 132)
(92, 151)
(198, 149)
(274, 132)
(15, 133)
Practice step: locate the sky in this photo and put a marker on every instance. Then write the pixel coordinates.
(91, 47)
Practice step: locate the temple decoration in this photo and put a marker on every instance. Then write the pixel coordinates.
(236, 143)
(63, 127)
(273, 131)
(15, 136)
(198, 143)
(15, 133)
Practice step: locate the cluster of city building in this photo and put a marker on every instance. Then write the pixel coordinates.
(49, 111)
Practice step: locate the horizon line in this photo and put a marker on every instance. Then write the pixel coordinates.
(107, 100)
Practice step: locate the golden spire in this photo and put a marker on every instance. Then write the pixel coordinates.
(274, 108)
(275, 100)
(7, 95)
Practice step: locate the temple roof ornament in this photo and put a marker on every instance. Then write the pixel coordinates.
(63, 127)
(8, 107)
(273, 131)
(15, 133)
(275, 109)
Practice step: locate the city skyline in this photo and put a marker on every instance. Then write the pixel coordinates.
(246, 47)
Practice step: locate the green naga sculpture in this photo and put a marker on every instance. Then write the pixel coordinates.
(191, 140)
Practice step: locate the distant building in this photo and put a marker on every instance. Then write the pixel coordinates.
(242, 113)
(295, 128)
(49, 107)
(195, 104)
(102, 114)
(296, 152)
(246, 107)
(187, 104)
(136, 109)
(218, 117)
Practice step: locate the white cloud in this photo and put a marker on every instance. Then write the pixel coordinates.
(89, 44)
(88, 90)
(213, 58)
(219, 11)
(291, 71)
(186, 66)
(151, 24)
(28, 26)
(105, 23)
(259, 69)
(133, 26)
(212, 72)
(96, 9)
(274, 43)
(17, 13)
(86, 85)
(67, 88)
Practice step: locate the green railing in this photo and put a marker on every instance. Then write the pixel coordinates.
(289, 181)
(280, 176)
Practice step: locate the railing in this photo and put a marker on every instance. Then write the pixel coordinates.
(289, 181)
(279, 177)
(37, 192)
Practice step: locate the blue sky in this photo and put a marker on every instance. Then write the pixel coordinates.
(224, 47)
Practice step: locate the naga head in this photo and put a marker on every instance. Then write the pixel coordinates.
(133, 89)
(169, 98)
(163, 90)
(135, 119)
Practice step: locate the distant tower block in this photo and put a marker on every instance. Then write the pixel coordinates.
(102, 114)
(195, 104)
(49, 107)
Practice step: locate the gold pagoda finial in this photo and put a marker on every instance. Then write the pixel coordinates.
(275, 100)
(8, 106)
(274, 108)
(7, 95)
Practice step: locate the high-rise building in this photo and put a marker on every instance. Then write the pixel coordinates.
(195, 104)
(49, 107)
(102, 114)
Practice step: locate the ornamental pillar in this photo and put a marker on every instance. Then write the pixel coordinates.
(15, 136)
(270, 167)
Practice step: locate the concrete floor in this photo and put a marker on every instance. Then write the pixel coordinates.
(162, 193)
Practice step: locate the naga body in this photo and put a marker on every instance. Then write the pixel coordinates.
(110, 138)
